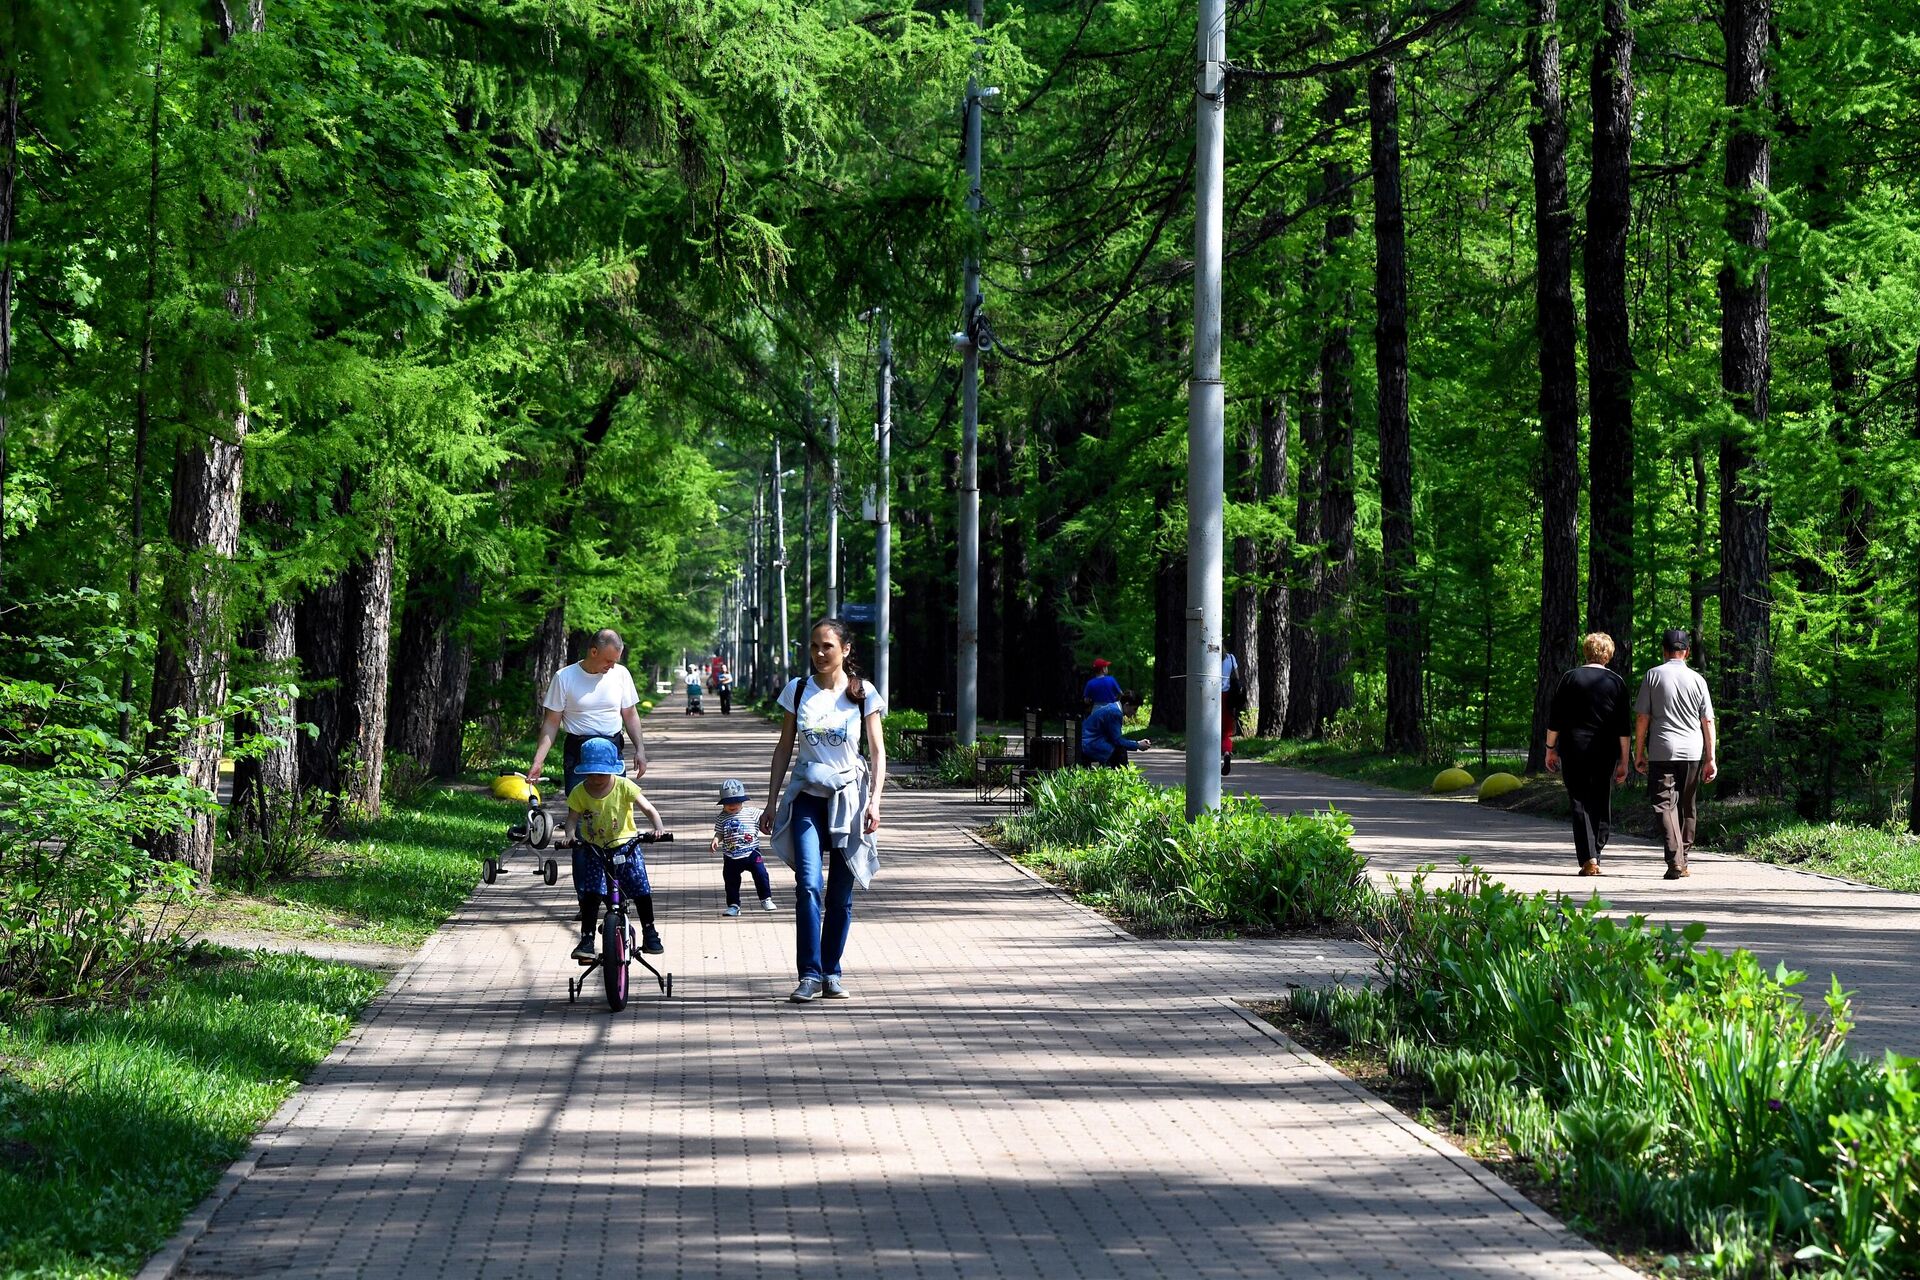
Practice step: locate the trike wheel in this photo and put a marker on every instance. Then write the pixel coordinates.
(551, 873)
(488, 870)
(669, 986)
(539, 829)
(613, 960)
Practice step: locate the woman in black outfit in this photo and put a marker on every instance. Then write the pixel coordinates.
(1588, 730)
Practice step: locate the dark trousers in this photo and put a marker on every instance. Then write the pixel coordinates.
(1675, 789)
(1589, 779)
(726, 701)
(570, 754)
(732, 869)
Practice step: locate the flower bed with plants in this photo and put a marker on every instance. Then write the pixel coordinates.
(1127, 847)
(1678, 1099)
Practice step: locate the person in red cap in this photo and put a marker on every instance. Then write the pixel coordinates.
(1103, 687)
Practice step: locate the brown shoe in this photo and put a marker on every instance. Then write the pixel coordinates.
(1677, 873)
(1589, 868)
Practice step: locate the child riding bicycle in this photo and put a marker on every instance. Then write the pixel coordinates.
(600, 816)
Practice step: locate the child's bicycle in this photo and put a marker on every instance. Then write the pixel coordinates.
(617, 949)
(535, 829)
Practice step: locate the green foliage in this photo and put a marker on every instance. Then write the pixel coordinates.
(1681, 1095)
(84, 910)
(1124, 842)
(283, 837)
(116, 1119)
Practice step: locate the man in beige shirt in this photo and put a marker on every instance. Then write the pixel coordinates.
(1674, 746)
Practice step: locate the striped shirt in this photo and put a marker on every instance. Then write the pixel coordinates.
(739, 833)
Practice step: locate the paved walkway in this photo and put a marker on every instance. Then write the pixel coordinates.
(1018, 1089)
(1821, 924)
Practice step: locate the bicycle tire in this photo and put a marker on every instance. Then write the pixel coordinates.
(488, 870)
(551, 872)
(613, 959)
(539, 828)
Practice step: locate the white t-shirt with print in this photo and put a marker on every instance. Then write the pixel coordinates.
(829, 724)
(590, 704)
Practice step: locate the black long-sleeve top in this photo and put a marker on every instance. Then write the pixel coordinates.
(1591, 710)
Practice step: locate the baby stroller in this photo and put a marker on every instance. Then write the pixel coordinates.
(693, 697)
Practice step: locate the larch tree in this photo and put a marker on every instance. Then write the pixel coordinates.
(1610, 363)
(1405, 729)
(1746, 374)
(1559, 394)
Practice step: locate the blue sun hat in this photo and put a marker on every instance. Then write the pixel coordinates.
(597, 755)
(733, 791)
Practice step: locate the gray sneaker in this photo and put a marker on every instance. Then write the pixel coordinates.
(767, 904)
(836, 990)
(587, 950)
(807, 992)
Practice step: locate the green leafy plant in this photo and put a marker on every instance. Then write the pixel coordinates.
(277, 839)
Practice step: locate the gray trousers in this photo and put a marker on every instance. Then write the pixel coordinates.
(1674, 786)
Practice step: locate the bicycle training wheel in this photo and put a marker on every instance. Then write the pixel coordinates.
(551, 872)
(613, 960)
(539, 829)
(488, 870)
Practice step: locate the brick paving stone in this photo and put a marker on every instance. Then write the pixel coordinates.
(1868, 937)
(1017, 1089)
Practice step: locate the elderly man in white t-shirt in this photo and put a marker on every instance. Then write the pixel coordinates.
(592, 698)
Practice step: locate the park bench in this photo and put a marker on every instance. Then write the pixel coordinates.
(997, 777)
(928, 744)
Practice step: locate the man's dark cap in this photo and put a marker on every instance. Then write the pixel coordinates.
(1677, 639)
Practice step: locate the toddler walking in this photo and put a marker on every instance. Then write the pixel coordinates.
(737, 836)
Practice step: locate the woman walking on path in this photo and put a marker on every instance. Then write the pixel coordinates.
(824, 823)
(1588, 727)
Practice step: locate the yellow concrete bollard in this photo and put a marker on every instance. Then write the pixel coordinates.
(1455, 779)
(1499, 784)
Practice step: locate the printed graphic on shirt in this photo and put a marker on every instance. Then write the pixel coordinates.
(738, 833)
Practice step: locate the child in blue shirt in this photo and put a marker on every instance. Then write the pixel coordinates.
(737, 837)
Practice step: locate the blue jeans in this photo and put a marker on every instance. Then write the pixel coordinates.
(819, 890)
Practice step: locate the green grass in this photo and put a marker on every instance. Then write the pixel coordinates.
(1759, 827)
(115, 1121)
(392, 881)
(1403, 773)
(1887, 856)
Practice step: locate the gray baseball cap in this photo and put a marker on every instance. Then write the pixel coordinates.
(733, 791)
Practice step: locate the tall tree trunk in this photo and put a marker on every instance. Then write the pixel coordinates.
(272, 776)
(369, 599)
(190, 668)
(433, 666)
(1405, 728)
(1303, 698)
(1245, 631)
(1698, 587)
(1913, 798)
(1336, 410)
(449, 745)
(9, 171)
(1559, 394)
(419, 672)
(1610, 363)
(324, 639)
(548, 653)
(1746, 366)
(1275, 634)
